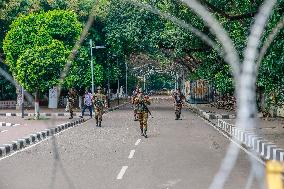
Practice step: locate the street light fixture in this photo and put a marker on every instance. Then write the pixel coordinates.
(92, 64)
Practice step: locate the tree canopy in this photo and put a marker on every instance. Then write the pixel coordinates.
(37, 47)
(129, 29)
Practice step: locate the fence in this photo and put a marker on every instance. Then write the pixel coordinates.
(200, 91)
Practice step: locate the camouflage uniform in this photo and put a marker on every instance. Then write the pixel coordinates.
(178, 97)
(100, 102)
(135, 106)
(71, 101)
(142, 110)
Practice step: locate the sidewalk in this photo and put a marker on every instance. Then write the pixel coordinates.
(47, 112)
(271, 129)
(269, 141)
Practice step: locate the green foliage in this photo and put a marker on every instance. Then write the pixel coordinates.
(79, 75)
(224, 81)
(40, 67)
(127, 29)
(37, 46)
(160, 81)
(132, 83)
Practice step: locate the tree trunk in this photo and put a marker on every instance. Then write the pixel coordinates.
(36, 105)
(80, 102)
(19, 98)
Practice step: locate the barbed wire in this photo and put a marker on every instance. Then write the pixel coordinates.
(245, 95)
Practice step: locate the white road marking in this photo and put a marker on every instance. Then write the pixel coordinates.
(131, 154)
(121, 173)
(137, 142)
(3, 131)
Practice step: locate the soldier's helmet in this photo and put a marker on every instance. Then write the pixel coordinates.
(99, 88)
(140, 90)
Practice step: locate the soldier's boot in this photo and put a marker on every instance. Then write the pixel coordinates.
(97, 122)
(71, 115)
(142, 133)
(176, 114)
(145, 133)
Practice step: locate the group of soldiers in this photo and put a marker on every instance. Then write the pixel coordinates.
(140, 101)
(141, 111)
(96, 101)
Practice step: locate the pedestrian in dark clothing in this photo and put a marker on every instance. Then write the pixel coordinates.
(87, 103)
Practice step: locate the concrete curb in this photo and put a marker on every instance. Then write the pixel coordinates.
(266, 149)
(4, 124)
(59, 114)
(6, 149)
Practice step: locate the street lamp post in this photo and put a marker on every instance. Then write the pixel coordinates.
(92, 64)
(144, 78)
(22, 106)
(126, 69)
(118, 91)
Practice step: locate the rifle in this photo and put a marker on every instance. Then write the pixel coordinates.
(147, 109)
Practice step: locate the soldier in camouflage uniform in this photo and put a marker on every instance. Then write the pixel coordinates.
(142, 110)
(71, 100)
(135, 106)
(178, 101)
(100, 102)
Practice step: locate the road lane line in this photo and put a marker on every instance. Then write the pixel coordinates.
(121, 173)
(3, 131)
(131, 154)
(137, 142)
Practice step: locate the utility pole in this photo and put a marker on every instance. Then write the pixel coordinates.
(22, 102)
(118, 91)
(183, 82)
(126, 70)
(108, 86)
(92, 65)
(144, 79)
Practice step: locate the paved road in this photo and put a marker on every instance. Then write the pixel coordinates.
(178, 154)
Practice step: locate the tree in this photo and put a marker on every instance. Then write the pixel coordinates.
(39, 68)
(37, 46)
(131, 29)
(79, 75)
